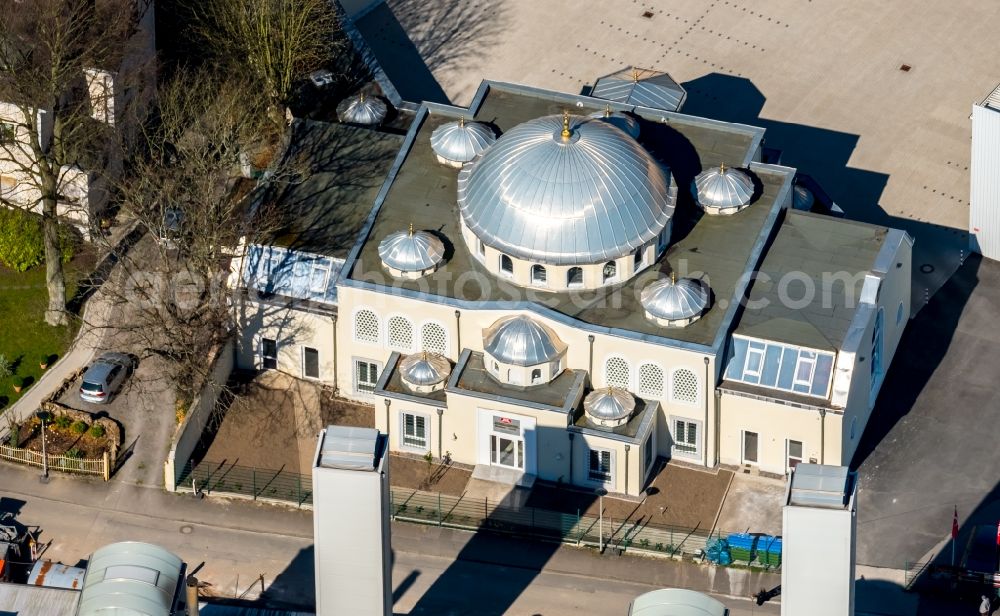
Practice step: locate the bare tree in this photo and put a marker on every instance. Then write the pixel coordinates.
(51, 131)
(186, 188)
(277, 41)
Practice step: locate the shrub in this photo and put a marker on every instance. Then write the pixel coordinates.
(22, 241)
(14, 438)
(74, 453)
(96, 430)
(62, 422)
(18, 382)
(43, 359)
(78, 427)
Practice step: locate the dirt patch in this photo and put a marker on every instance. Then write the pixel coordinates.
(60, 441)
(341, 412)
(753, 505)
(415, 474)
(677, 496)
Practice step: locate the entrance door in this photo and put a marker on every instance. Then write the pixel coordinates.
(750, 447)
(794, 454)
(507, 451)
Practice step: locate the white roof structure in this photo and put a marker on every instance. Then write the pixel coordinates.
(424, 369)
(522, 341)
(675, 302)
(722, 189)
(132, 578)
(676, 602)
(349, 448)
(461, 141)
(641, 87)
(609, 407)
(565, 190)
(410, 251)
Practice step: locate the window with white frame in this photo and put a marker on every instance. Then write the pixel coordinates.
(794, 454)
(365, 376)
(268, 353)
(780, 366)
(366, 326)
(538, 275)
(610, 273)
(574, 277)
(599, 465)
(319, 276)
(686, 433)
(650, 381)
(433, 338)
(506, 265)
(415, 430)
(684, 386)
(617, 372)
(310, 363)
(400, 333)
(638, 258)
(480, 247)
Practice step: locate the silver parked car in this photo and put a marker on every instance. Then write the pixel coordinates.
(105, 376)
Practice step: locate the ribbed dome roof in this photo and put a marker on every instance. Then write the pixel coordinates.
(802, 198)
(522, 341)
(424, 369)
(461, 141)
(587, 197)
(675, 300)
(619, 120)
(411, 251)
(362, 109)
(609, 407)
(723, 188)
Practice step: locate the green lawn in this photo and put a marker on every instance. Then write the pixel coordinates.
(24, 336)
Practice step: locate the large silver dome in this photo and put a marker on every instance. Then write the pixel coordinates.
(409, 251)
(587, 197)
(362, 109)
(620, 120)
(461, 142)
(609, 407)
(424, 370)
(673, 302)
(722, 189)
(522, 341)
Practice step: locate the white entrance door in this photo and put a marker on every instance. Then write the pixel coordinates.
(507, 451)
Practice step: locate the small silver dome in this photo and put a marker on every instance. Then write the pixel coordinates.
(722, 189)
(802, 198)
(522, 341)
(565, 190)
(641, 87)
(409, 251)
(609, 407)
(424, 371)
(461, 142)
(362, 109)
(675, 303)
(619, 120)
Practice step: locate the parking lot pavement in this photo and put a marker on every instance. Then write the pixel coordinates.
(753, 504)
(145, 408)
(931, 444)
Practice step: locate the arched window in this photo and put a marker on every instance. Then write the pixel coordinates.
(538, 275)
(617, 373)
(400, 333)
(481, 247)
(536, 376)
(574, 277)
(610, 271)
(506, 265)
(366, 326)
(650, 381)
(684, 386)
(433, 338)
(638, 258)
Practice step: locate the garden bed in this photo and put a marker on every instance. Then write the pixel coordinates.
(72, 434)
(417, 474)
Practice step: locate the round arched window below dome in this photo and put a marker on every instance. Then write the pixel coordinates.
(548, 277)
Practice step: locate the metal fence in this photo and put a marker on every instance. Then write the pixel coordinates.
(466, 513)
(85, 466)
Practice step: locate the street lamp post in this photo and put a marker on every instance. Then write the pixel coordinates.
(45, 458)
(601, 493)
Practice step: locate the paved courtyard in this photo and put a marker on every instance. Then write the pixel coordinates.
(934, 428)
(889, 146)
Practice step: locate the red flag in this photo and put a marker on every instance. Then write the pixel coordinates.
(954, 525)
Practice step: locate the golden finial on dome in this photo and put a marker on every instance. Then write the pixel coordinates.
(565, 130)
(461, 121)
(673, 277)
(607, 111)
(411, 229)
(635, 75)
(361, 97)
(722, 168)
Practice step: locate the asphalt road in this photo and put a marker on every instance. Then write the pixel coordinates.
(934, 428)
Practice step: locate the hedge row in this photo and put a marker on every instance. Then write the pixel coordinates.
(22, 240)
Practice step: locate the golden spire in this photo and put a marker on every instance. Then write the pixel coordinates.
(565, 130)
(425, 355)
(461, 121)
(411, 229)
(673, 277)
(635, 75)
(361, 97)
(607, 111)
(722, 168)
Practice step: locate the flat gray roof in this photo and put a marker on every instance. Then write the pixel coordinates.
(811, 247)
(342, 168)
(27, 600)
(423, 192)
